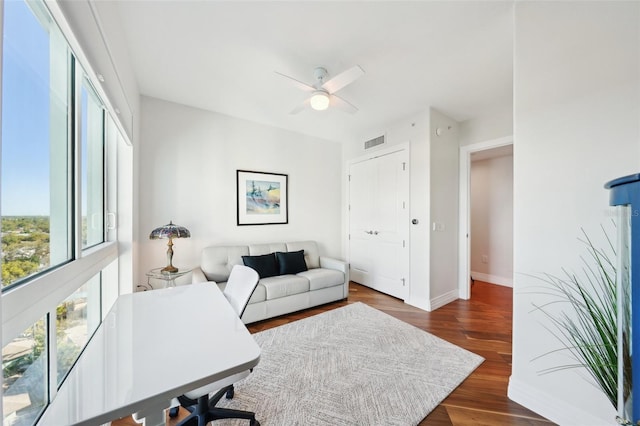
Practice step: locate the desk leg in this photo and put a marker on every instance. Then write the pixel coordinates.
(153, 415)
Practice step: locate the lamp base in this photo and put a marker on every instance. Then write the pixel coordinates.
(170, 269)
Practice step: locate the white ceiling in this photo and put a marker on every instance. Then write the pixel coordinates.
(454, 56)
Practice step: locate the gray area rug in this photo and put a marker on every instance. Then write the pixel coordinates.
(353, 365)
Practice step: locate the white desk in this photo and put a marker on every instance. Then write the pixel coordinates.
(151, 347)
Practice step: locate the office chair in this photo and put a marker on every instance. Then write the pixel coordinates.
(240, 286)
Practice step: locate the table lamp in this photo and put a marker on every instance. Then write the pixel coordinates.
(170, 231)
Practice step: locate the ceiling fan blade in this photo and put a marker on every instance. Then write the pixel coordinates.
(346, 77)
(300, 107)
(299, 84)
(338, 102)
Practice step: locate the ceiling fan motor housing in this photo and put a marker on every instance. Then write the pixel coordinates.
(320, 74)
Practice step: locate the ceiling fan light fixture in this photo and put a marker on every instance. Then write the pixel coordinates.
(319, 100)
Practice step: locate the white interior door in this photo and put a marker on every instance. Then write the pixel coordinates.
(379, 223)
(361, 208)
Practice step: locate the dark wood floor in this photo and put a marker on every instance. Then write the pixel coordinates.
(481, 325)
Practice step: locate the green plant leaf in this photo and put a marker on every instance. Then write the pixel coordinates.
(587, 327)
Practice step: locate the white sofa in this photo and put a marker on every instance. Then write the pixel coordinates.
(326, 279)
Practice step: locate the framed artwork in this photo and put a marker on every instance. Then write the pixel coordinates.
(262, 198)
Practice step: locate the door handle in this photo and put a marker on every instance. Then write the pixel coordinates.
(375, 232)
(368, 232)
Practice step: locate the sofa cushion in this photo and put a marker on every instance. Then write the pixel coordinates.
(284, 285)
(265, 265)
(311, 254)
(259, 294)
(322, 278)
(258, 249)
(291, 263)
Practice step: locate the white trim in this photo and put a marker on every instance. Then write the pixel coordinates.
(463, 220)
(492, 279)
(27, 303)
(50, 324)
(440, 301)
(76, 141)
(550, 407)
(1, 68)
(424, 304)
(385, 150)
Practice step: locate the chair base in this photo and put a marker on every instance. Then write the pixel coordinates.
(204, 410)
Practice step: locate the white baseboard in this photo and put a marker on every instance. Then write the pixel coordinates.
(551, 408)
(493, 279)
(442, 300)
(421, 303)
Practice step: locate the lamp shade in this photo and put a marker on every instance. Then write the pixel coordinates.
(169, 231)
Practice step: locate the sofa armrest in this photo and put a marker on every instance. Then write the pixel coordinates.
(338, 265)
(197, 276)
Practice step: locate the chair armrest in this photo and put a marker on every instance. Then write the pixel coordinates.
(197, 276)
(329, 263)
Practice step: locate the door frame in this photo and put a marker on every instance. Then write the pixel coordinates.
(380, 152)
(464, 221)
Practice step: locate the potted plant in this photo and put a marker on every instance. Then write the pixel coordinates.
(588, 324)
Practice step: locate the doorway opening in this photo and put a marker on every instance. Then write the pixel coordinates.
(490, 228)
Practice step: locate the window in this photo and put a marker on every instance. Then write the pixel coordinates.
(76, 320)
(92, 149)
(59, 272)
(24, 367)
(35, 151)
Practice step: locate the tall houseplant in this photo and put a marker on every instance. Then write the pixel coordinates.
(587, 326)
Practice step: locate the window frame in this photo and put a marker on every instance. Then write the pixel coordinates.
(25, 304)
(82, 79)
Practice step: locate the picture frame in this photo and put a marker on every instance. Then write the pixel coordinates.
(262, 198)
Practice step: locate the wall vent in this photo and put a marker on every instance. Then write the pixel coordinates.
(374, 142)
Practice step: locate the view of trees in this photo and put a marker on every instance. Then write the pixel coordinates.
(25, 246)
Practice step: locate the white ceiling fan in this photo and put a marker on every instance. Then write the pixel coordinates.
(323, 90)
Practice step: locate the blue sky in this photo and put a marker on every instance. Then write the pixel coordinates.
(25, 113)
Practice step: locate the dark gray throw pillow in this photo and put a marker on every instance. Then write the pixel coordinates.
(291, 262)
(265, 265)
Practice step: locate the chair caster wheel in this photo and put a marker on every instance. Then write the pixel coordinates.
(254, 423)
(230, 394)
(173, 412)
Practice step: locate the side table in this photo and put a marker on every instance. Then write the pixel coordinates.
(169, 278)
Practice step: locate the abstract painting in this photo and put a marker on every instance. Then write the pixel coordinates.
(262, 198)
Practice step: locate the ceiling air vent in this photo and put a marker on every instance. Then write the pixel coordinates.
(374, 142)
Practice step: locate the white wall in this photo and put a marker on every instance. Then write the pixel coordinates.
(414, 130)
(577, 96)
(491, 220)
(484, 128)
(443, 194)
(188, 164)
(434, 195)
